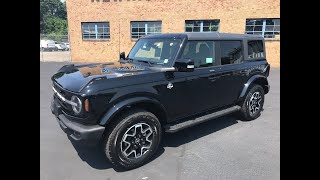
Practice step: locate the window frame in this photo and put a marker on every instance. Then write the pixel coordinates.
(242, 51)
(201, 25)
(263, 49)
(217, 62)
(264, 25)
(96, 31)
(217, 50)
(247, 50)
(145, 27)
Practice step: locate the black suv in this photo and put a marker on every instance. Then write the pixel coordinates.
(166, 83)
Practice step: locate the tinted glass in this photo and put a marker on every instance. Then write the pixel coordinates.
(255, 49)
(202, 52)
(155, 51)
(231, 52)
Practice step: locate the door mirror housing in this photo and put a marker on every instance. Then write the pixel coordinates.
(184, 65)
(122, 55)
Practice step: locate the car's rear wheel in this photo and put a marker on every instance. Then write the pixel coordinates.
(252, 105)
(132, 139)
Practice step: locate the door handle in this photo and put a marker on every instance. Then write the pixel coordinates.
(244, 71)
(213, 78)
(191, 78)
(226, 74)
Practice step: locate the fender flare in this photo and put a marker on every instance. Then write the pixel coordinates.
(122, 104)
(250, 81)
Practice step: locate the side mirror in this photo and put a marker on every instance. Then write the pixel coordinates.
(184, 65)
(122, 55)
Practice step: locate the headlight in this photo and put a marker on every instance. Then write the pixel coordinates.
(76, 108)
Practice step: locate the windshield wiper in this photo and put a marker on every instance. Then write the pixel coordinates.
(150, 63)
(127, 60)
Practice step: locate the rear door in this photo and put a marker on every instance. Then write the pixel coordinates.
(230, 76)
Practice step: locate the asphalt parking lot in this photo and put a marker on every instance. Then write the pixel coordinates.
(224, 148)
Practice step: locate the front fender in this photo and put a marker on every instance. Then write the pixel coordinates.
(123, 104)
(256, 78)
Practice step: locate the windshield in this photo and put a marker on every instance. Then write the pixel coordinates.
(155, 51)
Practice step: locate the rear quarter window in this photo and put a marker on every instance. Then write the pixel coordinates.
(231, 52)
(255, 49)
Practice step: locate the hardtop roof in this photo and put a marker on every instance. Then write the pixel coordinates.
(204, 36)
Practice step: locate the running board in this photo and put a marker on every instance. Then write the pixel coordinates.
(188, 123)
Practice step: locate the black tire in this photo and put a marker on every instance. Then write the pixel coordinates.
(113, 139)
(252, 102)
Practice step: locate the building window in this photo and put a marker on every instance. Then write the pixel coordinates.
(202, 25)
(95, 31)
(143, 28)
(268, 28)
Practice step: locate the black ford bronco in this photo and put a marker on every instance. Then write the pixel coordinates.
(166, 83)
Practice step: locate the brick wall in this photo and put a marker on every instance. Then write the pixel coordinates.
(172, 13)
(273, 53)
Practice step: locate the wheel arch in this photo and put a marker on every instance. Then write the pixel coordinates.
(256, 79)
(146, 103)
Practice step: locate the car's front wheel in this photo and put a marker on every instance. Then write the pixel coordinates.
(132, 139)
(252, 105)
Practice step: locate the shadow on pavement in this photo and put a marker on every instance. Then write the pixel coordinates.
(95, 157)
(92, 155)
(193, 133)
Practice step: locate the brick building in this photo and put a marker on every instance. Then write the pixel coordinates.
(101, 29)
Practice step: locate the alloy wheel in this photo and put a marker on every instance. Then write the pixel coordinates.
(136, 141)
(254, 103)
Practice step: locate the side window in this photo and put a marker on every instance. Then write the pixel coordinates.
(231, 52)
(255, 49)
(202, 52)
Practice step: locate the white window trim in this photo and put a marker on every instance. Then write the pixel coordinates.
(145, 27)
(201, 25)
(263, 31)
(96, 32)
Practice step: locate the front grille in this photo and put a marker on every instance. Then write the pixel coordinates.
(62, 91)
(65, 106)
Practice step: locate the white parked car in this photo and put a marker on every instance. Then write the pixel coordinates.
(61, 46)
(67, 45)
(47, 45)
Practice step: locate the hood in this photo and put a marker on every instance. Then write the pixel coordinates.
(75, 77)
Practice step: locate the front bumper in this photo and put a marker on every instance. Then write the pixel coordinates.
(85, 134)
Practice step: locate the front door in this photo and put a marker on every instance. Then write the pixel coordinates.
(192, 92)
